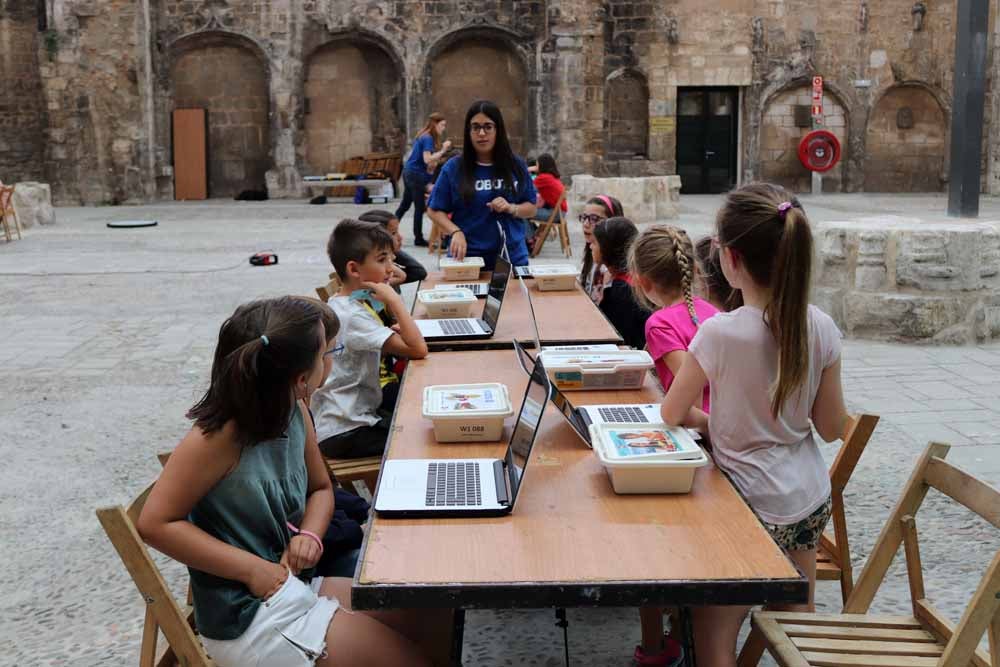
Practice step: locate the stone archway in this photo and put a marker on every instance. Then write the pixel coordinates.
(481, 67)
(626, 116)
(785, 121)
(905, 143)
(354, 92)
(230, 80)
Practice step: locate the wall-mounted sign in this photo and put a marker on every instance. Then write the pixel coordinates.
(662, 124)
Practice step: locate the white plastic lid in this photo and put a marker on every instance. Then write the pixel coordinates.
(462, 401)
(609, 359)
(468, 261)
(453, 295)
(623, 443)
(554, 270)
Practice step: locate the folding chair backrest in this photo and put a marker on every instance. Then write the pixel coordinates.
(163, 614)
(933, 471)
(326, 292)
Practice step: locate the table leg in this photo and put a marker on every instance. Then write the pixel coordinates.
(457, 637)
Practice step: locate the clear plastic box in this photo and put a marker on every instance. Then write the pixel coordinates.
(580, 371)
(651, 458)
(467, 269)
(440, 303)
(467, 412)
(555, 277)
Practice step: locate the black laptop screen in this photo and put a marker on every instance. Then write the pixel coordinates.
(526, 429)
(495, 293)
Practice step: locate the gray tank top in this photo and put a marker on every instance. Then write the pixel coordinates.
(249, 509)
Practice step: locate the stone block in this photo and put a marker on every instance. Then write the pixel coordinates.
(900, 316)
(33, 204)
(646, 199)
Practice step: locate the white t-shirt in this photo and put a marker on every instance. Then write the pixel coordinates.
(775, 463)
(351, 394)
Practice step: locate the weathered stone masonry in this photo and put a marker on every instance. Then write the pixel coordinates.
(295, 86)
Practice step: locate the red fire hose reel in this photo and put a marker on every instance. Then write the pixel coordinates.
(819, 151)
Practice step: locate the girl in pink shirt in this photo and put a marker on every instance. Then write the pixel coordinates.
(662, 264)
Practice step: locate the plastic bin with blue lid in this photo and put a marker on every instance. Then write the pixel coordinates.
(647, 458)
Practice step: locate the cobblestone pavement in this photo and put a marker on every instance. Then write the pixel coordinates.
(108, 336)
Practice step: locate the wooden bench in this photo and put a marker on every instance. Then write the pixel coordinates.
(925, 639)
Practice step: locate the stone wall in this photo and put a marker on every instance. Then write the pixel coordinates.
(893, 278)
(22, 107)
(557, 67)
(645, 199)
(906, 142)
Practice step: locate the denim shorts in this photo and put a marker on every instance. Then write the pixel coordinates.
(288, 630)
(803, 535)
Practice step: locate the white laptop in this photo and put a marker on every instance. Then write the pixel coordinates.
(471, 328)
(417, 488)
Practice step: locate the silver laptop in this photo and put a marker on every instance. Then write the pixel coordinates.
(465, 487)
(471, 328)
(479, 290)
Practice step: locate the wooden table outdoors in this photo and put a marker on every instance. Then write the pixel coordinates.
(570, 540)
(564, 318)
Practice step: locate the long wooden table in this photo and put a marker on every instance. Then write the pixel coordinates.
(570, 541)
(564, 318)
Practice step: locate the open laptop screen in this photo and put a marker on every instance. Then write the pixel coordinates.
(496, 289)
(526, 428)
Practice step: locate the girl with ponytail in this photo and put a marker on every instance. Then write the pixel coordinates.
(245, 500)
(773, 369)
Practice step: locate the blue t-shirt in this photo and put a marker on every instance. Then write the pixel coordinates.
(477, 221)
(425, 142)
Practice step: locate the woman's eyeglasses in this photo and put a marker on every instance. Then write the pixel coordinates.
(590, 218)
(336, 350)
(485, 128)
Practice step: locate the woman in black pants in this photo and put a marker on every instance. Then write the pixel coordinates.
(427, 150)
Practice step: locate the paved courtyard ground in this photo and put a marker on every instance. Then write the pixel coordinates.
(107, 340)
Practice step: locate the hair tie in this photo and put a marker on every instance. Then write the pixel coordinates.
(266, 341)
(783, 209)
(607, 202)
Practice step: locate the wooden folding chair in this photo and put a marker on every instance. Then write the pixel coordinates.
(7, 212)
(555, 220)
(833, 558)
(925, 639)
(350, 473)
(326, 292)
(163, 614)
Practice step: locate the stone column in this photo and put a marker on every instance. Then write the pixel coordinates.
(283, 179)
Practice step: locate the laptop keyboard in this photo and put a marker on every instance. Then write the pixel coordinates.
(456, 327)
(476, 288)
(453, 483)
(622, 414)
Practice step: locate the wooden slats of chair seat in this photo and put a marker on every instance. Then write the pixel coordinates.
(867, 646)
(844, 620)
(825, 569)
(873, 634)
(819, 659)
(348, 471)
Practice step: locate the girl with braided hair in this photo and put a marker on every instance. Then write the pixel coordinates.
(774, 370)
(662, 263)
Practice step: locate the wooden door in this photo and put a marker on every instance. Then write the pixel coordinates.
(190, 152)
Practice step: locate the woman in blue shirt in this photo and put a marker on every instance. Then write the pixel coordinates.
(427, 150)
(484, 189)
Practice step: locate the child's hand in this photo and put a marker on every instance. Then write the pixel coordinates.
(446, 146)
(266, 579)
(382, 291)
(301, 554)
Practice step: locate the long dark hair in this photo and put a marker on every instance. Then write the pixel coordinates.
(262, 348)
(505, 165)
(615, 236)
(547, 165)
(765, 227)
(710, 266)
(612, 211)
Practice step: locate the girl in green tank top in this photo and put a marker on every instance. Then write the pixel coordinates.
(245, 500)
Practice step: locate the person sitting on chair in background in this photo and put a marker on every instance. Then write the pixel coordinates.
(549, 188)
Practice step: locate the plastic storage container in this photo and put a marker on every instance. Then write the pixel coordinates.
(577, 371)
(652, 458)
(555, 277)
(467, 269)
(467, 412)
(456, 302)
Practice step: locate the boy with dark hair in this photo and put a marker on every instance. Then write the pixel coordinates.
(354, 406)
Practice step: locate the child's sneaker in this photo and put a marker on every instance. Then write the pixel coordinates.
(671, 655)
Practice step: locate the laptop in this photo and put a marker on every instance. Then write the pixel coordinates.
(416, 488)
(471, 328)
(523, 271)
(479, 290)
